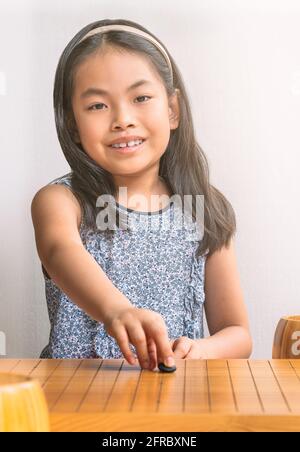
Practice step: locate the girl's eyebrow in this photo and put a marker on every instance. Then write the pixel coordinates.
(92, 91)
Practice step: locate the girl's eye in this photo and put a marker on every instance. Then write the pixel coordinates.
(92, 107)
(141, 97)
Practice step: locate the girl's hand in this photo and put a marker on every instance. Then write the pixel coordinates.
(145, 330)
(187, 348)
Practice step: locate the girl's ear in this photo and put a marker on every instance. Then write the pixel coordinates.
(174, 110)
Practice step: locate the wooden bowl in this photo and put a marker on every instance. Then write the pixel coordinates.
(286, 342)
(23, 407)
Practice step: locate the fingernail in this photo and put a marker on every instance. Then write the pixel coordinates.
(170, 361)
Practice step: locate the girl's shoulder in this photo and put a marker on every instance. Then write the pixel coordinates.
(58, 193)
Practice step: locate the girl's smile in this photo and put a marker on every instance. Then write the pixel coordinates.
(129, 149)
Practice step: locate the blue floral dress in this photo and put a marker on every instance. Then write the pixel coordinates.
(152, 263)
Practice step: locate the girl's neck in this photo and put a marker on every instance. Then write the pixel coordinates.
(139, 196)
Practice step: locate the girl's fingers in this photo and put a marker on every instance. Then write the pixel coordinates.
(137, 338)
(152, 354)
(195, 353)
(122, 338)
(182, 347)
(163, 346)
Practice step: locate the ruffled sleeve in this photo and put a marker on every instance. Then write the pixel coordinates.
(194, 299)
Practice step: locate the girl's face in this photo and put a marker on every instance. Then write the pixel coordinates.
(142, 111)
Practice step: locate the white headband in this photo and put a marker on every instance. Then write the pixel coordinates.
(133, 30)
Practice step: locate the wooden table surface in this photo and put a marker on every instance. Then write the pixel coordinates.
(213, 395)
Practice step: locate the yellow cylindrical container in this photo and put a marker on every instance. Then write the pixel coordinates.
(286, 344)
(23, 406)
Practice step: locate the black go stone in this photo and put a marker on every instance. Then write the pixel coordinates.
(164, 368)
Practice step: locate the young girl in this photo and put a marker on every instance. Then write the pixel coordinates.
(124, 122)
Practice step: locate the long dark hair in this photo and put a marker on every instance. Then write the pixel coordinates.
(183, 166)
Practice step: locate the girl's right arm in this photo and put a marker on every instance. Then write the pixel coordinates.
(56, 216)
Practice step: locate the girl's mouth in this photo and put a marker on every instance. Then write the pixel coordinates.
(128, 149)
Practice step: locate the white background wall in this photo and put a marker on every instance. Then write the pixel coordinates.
(240, 60)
